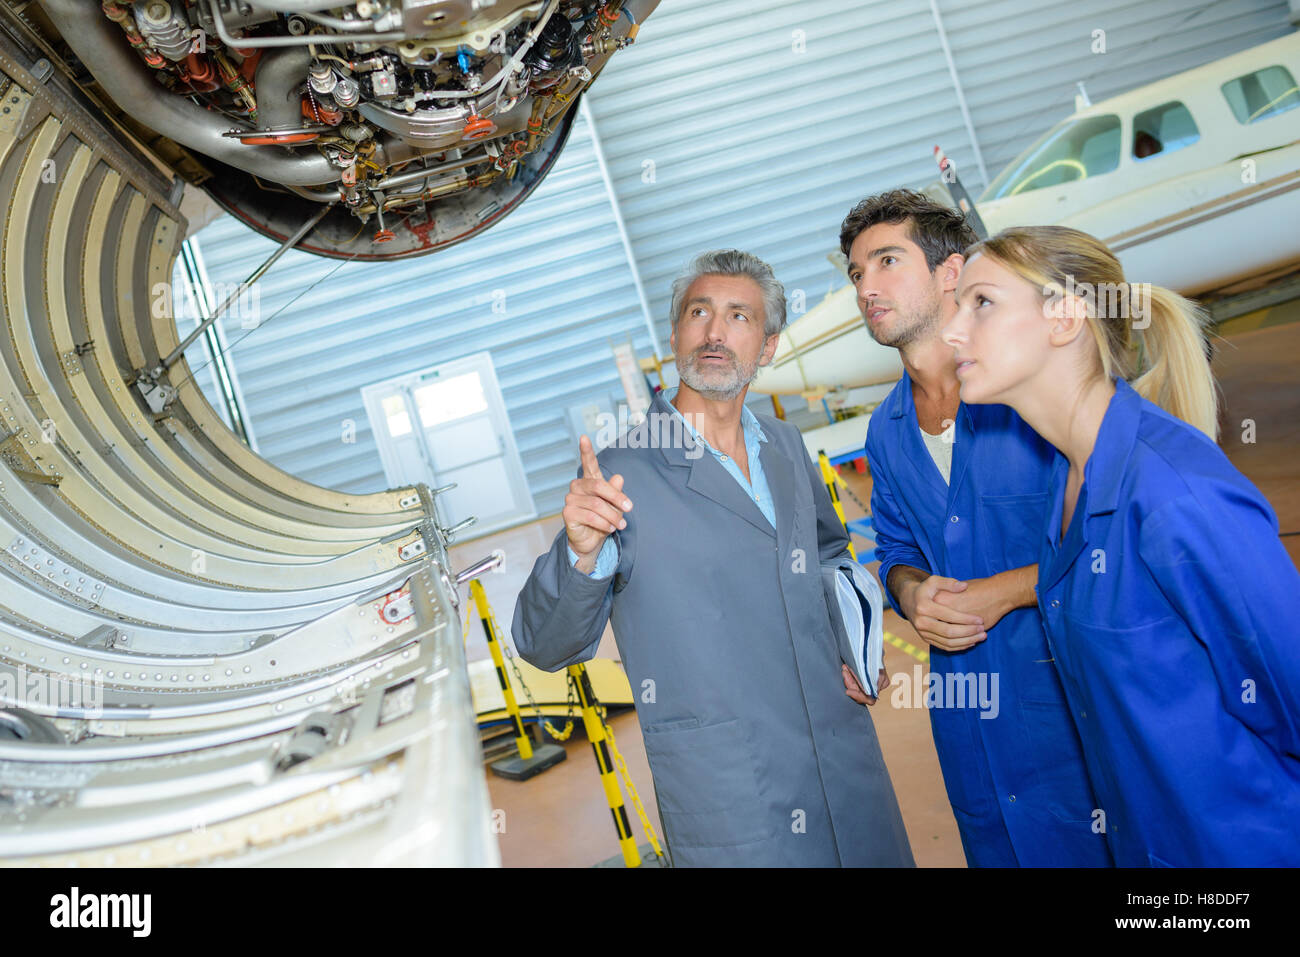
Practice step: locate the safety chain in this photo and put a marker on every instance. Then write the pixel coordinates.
(555, 732)
(839, 480)
(571, 705)
(532, 704)
(626, 775)
(571, 709)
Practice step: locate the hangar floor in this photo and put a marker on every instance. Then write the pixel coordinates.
(560, 819)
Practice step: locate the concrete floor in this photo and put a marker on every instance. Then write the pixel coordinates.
(560, 818)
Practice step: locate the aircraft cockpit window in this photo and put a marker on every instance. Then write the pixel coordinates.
(1073, 150)
(1163, 129)
(1259, 95)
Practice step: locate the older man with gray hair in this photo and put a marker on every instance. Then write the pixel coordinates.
(709, 566)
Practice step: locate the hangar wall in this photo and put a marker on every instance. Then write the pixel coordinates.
(736, 122)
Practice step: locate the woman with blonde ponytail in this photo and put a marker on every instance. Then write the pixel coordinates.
(1171, 608)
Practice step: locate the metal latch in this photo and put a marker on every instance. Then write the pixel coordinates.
(413, 550)
(398, 608)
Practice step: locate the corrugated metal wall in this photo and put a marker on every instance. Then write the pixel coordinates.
(753, 123)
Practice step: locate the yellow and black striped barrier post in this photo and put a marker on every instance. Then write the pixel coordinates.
(830, 478)
(522, 742)
(609, 780)
(530, 760)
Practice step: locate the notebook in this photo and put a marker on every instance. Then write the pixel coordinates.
(861, 614)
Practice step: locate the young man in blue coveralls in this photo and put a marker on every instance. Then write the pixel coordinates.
(958, 505)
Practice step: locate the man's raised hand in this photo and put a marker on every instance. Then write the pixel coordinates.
(593, 509)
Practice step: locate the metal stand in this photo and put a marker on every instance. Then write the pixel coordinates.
(530, 760)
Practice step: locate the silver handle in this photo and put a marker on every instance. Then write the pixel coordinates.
(449, 533)
(480, 567)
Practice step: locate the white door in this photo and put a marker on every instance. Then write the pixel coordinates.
(448, 425)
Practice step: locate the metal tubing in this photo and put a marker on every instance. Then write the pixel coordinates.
(415, 175)
(257, 274)
(97, 42)
(305, 39)
(279, 72)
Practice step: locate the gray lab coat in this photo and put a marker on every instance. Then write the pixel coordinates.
(758, 756)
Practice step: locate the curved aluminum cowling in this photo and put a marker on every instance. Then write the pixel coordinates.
(241, 667)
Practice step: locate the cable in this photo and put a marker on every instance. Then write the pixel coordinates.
(202, 100)
(348, 26)
(269, 189)
(329, 56)
(845, 485)
(227, 349)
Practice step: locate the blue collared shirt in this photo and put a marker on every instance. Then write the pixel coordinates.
(755, 486)
(1171, 608)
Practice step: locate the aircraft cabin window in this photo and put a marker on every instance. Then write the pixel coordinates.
(1259, 95)
(1163, 129)
(1073, 150)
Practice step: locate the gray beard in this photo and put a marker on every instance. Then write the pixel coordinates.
(719, 388)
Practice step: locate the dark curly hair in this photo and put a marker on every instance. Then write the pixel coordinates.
(939, 230)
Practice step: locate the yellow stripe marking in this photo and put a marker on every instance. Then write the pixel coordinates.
(921, 655)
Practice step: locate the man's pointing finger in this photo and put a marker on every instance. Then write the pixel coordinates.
(590, 467)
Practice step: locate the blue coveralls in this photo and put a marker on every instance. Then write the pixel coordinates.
(1016, 782)
(1173, 611)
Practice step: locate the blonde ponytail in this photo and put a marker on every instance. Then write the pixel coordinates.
(1173, 369)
